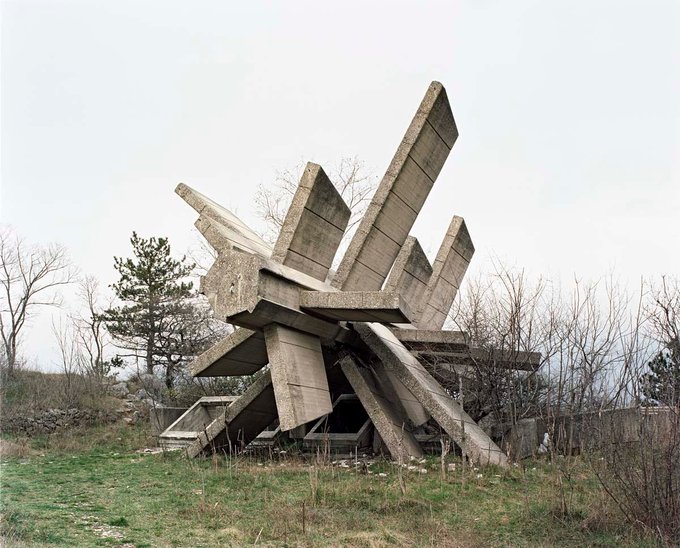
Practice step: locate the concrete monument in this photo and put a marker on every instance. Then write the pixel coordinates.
(368, 326)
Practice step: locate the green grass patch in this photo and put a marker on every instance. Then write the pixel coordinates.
(105, 494)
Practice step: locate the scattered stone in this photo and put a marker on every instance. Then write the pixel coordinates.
(119, 390)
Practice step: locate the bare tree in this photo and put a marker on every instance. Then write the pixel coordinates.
(89, 329)
(354, 183)
(70, 362)
(30, 277)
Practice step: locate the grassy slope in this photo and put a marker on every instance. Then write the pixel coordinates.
(103, 493)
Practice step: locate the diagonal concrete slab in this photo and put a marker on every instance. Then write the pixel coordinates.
(392, 426)
(221, 224)
(400, 195)
(241, 422)
(410, 273)
(242, 352)
(443, 408)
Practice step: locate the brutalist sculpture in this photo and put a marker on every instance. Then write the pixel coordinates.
(370, 321)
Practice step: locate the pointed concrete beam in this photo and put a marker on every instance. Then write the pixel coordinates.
(298, 376)
(241, 422)
(392, 427)
(479, 357)
(400, 195)
(223, 221)
(433, 340)
(448, 271)
(410, 273)
(242, 352)
(359, 306)
(314, 225)
(447, 412)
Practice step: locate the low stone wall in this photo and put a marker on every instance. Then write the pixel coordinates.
(52, 420)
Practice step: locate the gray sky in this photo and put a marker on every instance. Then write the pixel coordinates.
(568, 160)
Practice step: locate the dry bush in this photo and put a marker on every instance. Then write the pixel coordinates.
(643, 477)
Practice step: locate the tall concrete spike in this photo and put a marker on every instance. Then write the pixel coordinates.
(314, 225)
(400, 195)
(448, 272)
(298, 376)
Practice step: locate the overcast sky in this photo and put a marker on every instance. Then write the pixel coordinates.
(568, 160)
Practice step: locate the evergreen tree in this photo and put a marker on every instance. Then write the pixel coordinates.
(662, 383)
(161, 322)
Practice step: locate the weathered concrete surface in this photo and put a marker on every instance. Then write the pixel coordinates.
(252, 292)
(341, 433)
(424, 339)
(448, 271)
(314, 225)
(231, 229)
(298, 375)
(394, 428)
(184, 430)
(410, 273)
(162, 417)
(478, 357)
(361, 306)
(241, 422)
(400, 195)
(447, 412)
(242, 352)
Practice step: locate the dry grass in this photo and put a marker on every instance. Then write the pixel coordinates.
(106, 494)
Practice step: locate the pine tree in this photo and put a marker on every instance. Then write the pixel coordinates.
(161, 322)
(662, 384)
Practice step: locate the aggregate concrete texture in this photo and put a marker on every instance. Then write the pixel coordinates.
(400, 195)
(447, 412)
(298, 375)
(241, 422)
(314, 225)
(230, 226)
(448, 271)
(242, 352)
(392, 427)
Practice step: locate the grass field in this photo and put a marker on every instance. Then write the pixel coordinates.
(90, 488)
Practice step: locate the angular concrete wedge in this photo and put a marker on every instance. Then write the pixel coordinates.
(448, 271)
(230, 226)
(400, 195)
(241, 422)
(298, 375)
(392, 427)
(314, 225)
(447, 412)
(410, 273)
(242, 352)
